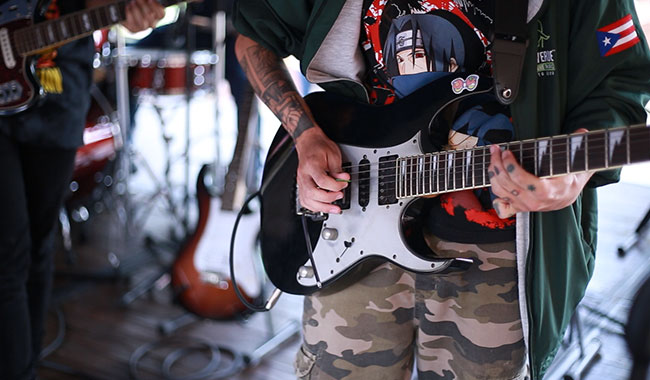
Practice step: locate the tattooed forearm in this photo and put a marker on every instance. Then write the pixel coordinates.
(304, 123)
(272, 83)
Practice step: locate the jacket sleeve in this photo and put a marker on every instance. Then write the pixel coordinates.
(605, 90)
(278, 25)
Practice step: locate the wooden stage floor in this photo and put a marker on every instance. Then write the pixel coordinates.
(101, 335)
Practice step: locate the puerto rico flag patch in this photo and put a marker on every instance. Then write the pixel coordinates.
(617, 36)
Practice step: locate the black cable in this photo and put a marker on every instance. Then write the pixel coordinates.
(237, 364)
(60, 335)
(252, 307)
(276, 168)
(175, 355)
(211, 370)
(54, 345)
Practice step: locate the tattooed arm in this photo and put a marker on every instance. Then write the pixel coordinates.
(319, 158)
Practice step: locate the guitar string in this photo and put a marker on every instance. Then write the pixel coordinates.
(440, 176)
(515, 147)
(457, 171)
(72, 21)
(459, 165)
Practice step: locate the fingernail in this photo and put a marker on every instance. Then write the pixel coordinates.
(334, 211)
(339, 196)
(493, 149)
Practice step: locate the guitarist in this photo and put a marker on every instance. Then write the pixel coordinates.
(37, 151)
(532, 240)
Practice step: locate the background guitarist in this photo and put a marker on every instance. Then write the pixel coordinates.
(37, 151)
(504, 317)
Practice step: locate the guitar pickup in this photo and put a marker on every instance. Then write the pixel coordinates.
(364, 182)
(10, 92)
(344, 203)
(387, 180)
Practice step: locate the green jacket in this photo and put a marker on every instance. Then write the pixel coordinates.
(578, 88)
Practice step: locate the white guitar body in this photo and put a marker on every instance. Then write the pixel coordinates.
(374, 230)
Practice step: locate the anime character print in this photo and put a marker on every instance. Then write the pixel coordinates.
(411, 43)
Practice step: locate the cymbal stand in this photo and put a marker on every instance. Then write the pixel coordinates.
(118, 197)
(122, 96)
(190, 47)
(126, 211)
(219, 43)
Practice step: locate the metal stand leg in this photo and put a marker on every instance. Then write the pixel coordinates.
(633, 240)
(286, 332)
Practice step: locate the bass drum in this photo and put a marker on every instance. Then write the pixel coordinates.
(162, 72)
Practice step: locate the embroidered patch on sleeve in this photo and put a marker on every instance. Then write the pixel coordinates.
(617, 36)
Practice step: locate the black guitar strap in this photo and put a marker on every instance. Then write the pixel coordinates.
(509, 47)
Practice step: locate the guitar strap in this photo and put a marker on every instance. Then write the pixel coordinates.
(509, 44)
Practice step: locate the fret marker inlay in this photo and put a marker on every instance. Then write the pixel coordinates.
(86, 21)
(615, 139)
(542, 149)
(64, 30)
(114, 15)
(50, 33)
(576, 143)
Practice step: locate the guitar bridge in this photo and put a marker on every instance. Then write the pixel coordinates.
(10, 92)
(314, 216)
(301, 211)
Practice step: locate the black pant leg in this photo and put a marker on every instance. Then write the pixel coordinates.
(15, 328)
(34, 180)
(47, 173)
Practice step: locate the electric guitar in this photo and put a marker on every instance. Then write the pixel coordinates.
(394, 165)
(21, 39)
(200, 274)
(201, 271)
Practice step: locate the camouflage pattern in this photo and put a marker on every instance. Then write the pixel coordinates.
(460, 325)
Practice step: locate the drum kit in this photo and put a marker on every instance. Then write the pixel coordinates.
(152, 73)
(126, 76)
(164, 72)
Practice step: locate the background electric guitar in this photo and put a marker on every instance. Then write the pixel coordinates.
(21, 39)
(201, 271)
(394, 165)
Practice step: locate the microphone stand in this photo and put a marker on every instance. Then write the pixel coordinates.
(219, 45)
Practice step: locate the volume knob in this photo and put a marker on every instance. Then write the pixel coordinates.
(329, 234)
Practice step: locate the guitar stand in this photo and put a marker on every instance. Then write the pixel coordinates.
(164, 187)
(216, 367)
(582, 347)
(635, 238)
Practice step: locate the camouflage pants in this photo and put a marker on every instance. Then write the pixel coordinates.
(460, 325)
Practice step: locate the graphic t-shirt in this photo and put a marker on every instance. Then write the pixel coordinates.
(410, 43)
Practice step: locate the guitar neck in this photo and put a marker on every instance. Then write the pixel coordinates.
(51, 33)
(448, 171)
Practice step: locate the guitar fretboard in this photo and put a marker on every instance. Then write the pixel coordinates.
(447, 171)
(75, 25)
